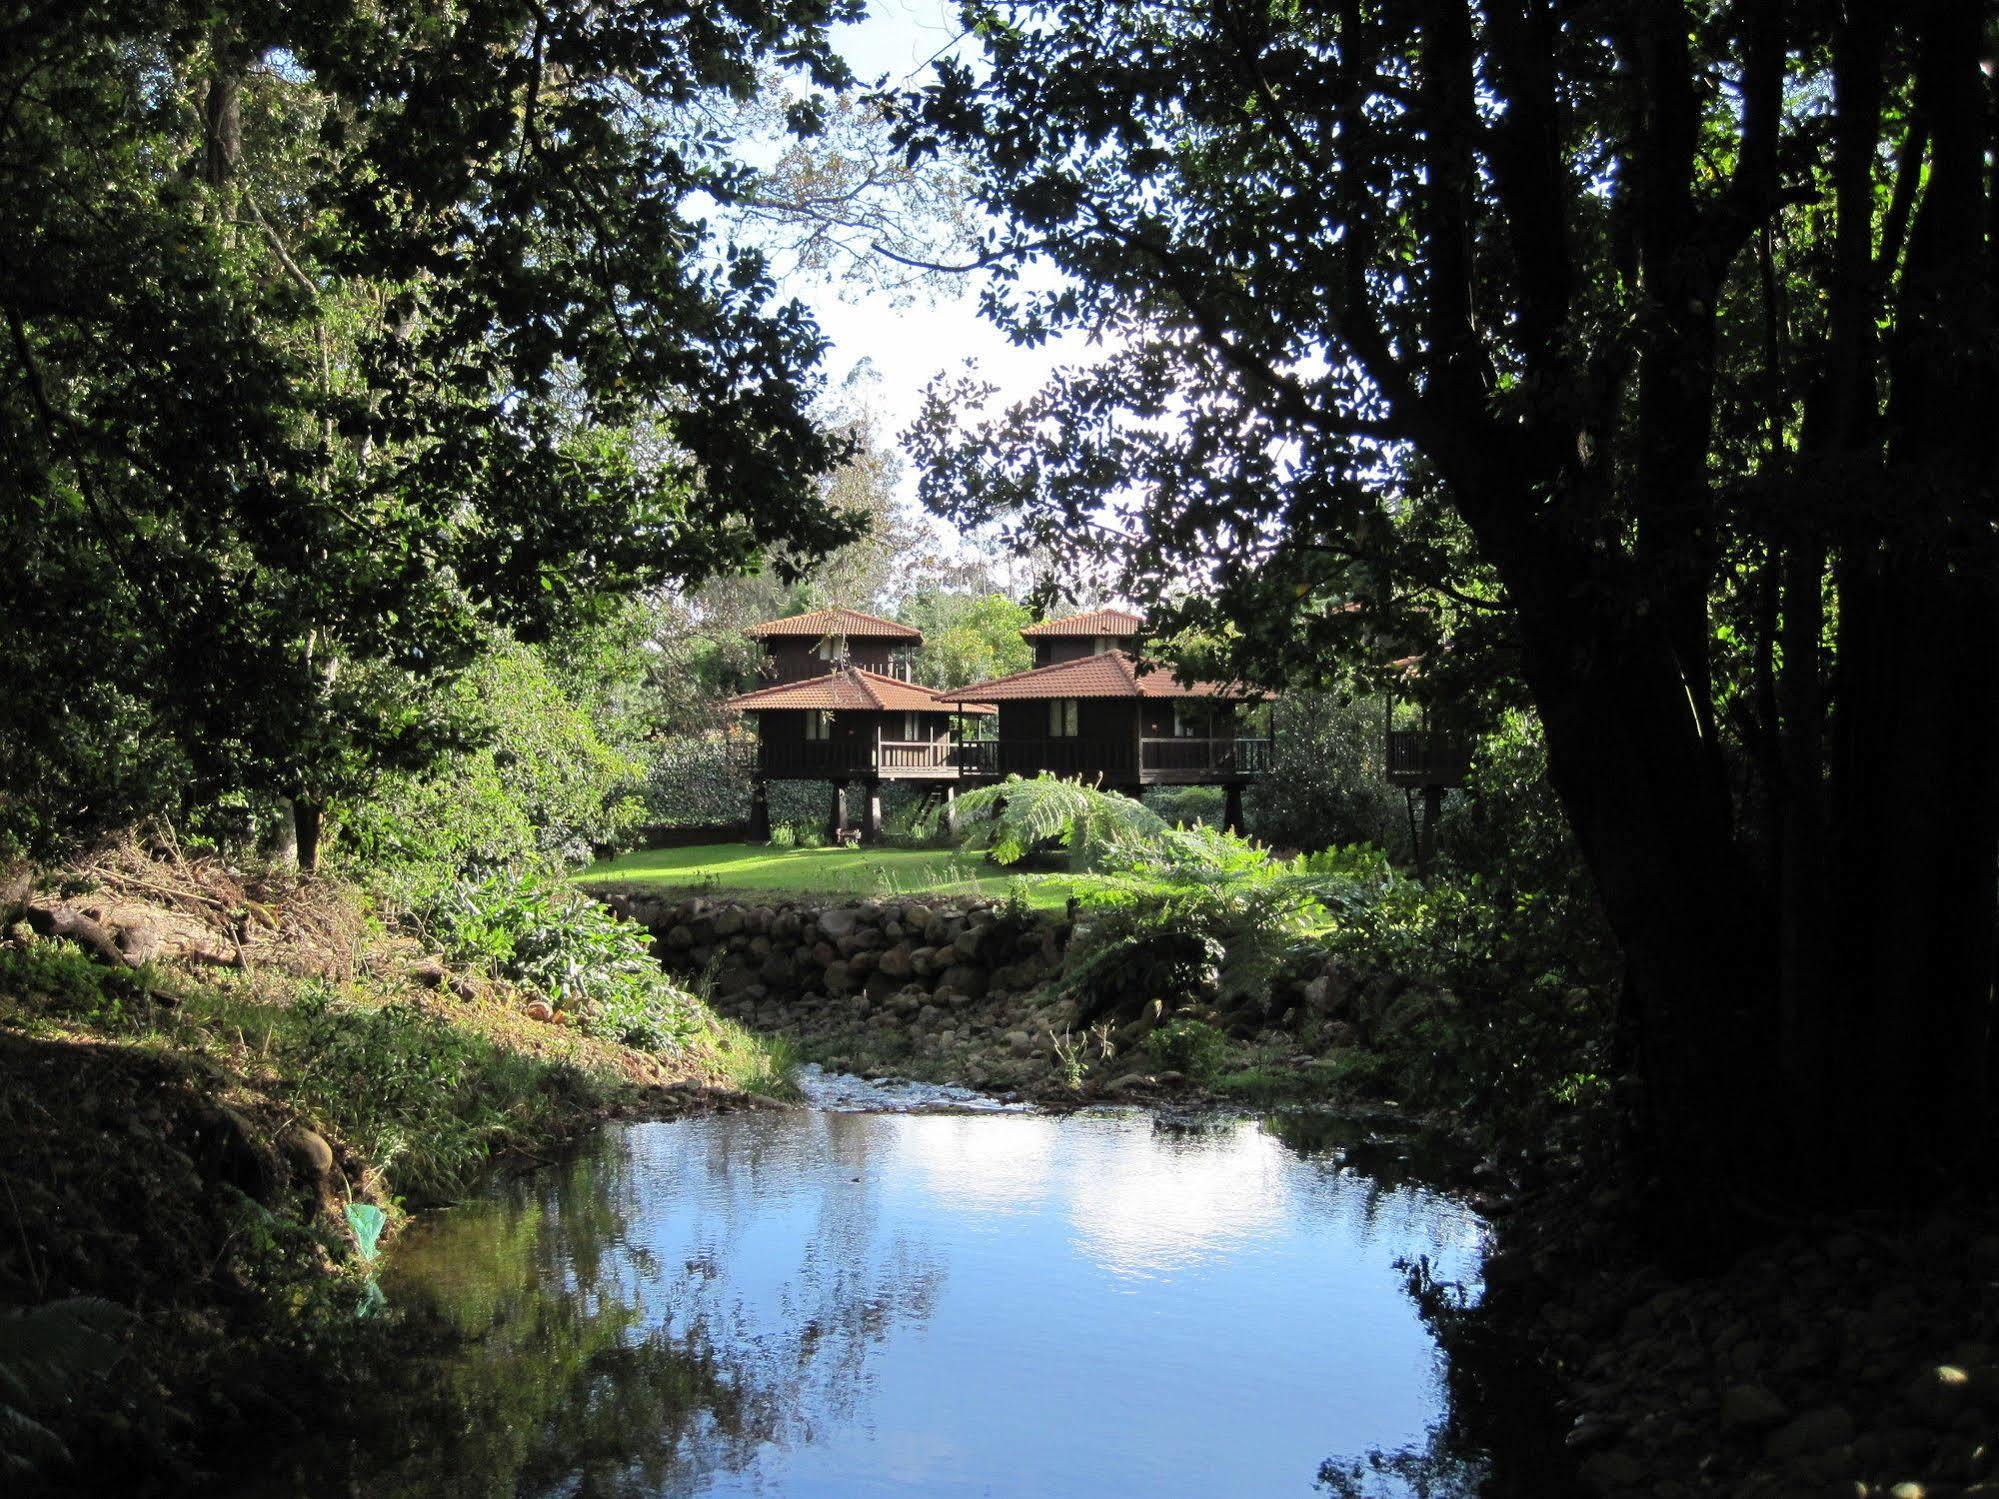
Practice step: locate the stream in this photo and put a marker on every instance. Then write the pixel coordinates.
(909, 1291)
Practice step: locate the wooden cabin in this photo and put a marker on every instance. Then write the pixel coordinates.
(841, 709)
(1102, 717)
(1077, 635)
(811, 645)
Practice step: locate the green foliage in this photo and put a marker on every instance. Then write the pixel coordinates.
(47, 1352)
(967, 637)
(541, 933)
(1187, 1045)
(1187, 806)
(1328, 785)
(1017, 817)
(537, 784)
(1192, 915)
(331, 362)
(783, 835)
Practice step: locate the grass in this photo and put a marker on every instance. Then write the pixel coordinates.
(742, 868)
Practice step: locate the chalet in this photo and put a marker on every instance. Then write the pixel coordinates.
(1077, 635)
(810, 645)
(1090, 710)
(841, 709)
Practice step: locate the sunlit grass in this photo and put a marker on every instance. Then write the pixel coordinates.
(742, 867)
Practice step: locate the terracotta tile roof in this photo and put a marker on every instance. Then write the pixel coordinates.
(821, 622)
(1108, 674)
(1096, 622)
(850, 689)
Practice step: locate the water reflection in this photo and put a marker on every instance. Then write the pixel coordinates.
(854, 1304)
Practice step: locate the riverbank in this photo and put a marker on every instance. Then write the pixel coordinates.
(185, 1143)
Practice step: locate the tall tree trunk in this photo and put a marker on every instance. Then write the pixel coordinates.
(307, 817)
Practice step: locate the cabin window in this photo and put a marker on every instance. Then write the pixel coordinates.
(824, 650)
(819, 724)
(1189, 721)
(912, 726)
(1062, 718)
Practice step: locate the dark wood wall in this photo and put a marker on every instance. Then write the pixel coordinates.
(795, 658)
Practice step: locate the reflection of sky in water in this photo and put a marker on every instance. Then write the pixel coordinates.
(948, 1305)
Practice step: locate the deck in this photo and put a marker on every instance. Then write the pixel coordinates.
(1146, 762)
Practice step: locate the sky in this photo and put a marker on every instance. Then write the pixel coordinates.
(908, 345)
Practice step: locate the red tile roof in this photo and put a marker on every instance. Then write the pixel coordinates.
(1108, 674)
(850, 689)
(1096, 622)
(821, 622)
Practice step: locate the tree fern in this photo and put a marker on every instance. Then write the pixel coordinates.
(1016, 817)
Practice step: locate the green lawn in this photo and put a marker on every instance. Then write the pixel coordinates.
(745, 867)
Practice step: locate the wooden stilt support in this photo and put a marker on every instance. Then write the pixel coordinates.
(759, 811)
(836, 814)
(950, 818)
(1232, 807)
(871, 811)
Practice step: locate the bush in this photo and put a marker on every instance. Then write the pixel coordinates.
(784, 835)
(1188, 1045)
(1329, 784)
(537, 932)
(540, 788)
(1188, 806)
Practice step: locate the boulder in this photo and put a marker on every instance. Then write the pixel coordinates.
(308, 1151)
(1751, 1407)
(839, 978)
(840, 921)
(729, 921)
(1814, 1432)
(895, 961)
(968, 943)
(679, 938)
(966, 979)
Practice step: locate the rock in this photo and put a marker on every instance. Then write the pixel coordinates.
(967, 943)
(895, 962)
(839, 977)
(1019, 1043)
(1937, 1394)
(965, 979)
(839, 922)
(542, 1010)
(463, 987)
(730, 921)
(1815, 1432)
(1748, 1407)
(431, 972)
(679, 938)
(308, 1151)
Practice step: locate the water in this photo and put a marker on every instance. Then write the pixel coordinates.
(834, 1303)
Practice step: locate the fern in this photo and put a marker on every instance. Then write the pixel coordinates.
(1015, 817)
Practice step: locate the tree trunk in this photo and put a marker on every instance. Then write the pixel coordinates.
(306, 820)
(284, 835)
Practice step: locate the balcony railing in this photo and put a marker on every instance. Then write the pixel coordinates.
(839, 757)
(1421, 757)
(1227, 757)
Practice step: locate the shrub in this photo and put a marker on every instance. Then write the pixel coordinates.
(540, 787)
(1017, 817)
(1188, 806)
(784, 835)
(1188, 1045)
(536, 931)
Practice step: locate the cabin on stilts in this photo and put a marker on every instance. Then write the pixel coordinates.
(841, 709)
(1087, 709)
(1426, 753)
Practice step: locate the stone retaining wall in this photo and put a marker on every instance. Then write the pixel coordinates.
(925, 975)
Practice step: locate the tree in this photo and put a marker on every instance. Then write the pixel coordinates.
(336, 335)
(1659, 337)
(967, 637)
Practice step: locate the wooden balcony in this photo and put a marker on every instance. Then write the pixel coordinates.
(832, 760)
(1150, 762)
(1165, 761)
(1422, 757)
